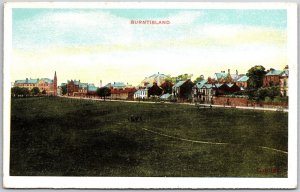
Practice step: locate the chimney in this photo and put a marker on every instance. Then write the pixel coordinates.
(236, 72)
(100, 83)
(158, 73)
(228, 71)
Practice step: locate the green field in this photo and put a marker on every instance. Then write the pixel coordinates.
(67, 137)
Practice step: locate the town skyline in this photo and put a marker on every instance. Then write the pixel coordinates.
(104, 82)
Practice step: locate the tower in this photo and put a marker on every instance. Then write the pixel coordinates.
(55, 85)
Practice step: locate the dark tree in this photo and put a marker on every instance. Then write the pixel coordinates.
(64, 89)
(19, 92)
(155, 90)
(103, 92)
(256, 75)
(16, 91)
(44, 92)
(167, 86)
(35, 91)
(270, 92)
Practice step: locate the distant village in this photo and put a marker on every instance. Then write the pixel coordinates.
(257, 87)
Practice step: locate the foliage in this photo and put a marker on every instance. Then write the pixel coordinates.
(270, 92)
(268, 99)
(103, 92)
(200, 78)
(19, 92)
(35, 91)
(256, 75)
(44, 92)
(167, 86)
(64, 89)
(181, 77)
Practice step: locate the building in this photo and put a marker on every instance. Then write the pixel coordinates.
(196, 90)
(207, 91)
(141, 94)
(72, 87)
(116, 85)
(158, 78)
(76, 88)
(277, 78)
(284, 83)
(46, 86)
(224, 77)
(126, 93)
(120, 90)
(91, 90)
(272, 78)
(182, 90)
(242, 82)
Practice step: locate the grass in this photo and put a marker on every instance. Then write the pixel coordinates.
(67, 137)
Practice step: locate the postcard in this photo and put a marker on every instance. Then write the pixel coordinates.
(147, 95)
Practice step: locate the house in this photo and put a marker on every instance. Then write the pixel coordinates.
(277, 78)
(45, 85)
(224, 77)
(272, 78)
(126, 93)
(242, 82)
(284, 83)
(120, 90)
(221, 88)
(207, 91)
(116, 85)
(182, 90)
(158, 78)
(72, 87)
(77, 88)
(141, 94)
(232, 88)
(91, 90)
(196, 90)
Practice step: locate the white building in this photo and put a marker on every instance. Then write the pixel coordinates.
(141, 94)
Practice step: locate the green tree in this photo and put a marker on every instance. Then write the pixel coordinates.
(181, 77)
(64, 89)
(35, 91)
(200, 78)
(103, 92)
(268, 92)
(256, 75)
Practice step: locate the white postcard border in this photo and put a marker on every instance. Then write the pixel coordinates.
(155, 182)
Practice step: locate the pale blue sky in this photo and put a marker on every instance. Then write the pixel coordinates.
(28, 32)
(101, 44)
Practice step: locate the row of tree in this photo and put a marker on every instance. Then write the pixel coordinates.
(24, 92)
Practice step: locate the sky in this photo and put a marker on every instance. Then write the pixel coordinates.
(101, 44)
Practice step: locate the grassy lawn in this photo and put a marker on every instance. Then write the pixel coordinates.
(68, 137)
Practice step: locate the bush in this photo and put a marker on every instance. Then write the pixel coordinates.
(268, 99)
(278, 99)
(271, 92)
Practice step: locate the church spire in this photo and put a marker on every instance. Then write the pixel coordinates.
(55, 84)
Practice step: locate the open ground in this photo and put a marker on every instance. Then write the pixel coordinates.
(53, 136)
